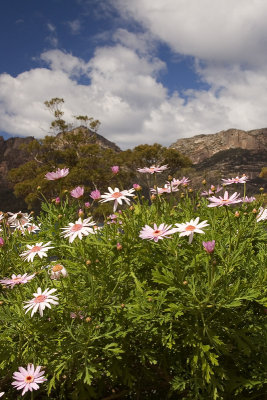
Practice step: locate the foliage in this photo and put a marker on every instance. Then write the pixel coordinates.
(90, 165)
(161, 320)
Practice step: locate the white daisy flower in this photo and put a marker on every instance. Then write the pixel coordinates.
(80, 229)
(262, 216)
(19, 219)
(189, 228)
(38, 249)
(117, 196)
(57, 271)
(40, 301)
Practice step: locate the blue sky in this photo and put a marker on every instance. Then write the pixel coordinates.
(149, 70)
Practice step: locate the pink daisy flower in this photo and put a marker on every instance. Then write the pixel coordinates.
(37, 249)
(16, 280)
(243, 179)
(152, 169)
(40, 301)
(117, 196)
(95, 195)
(212, 190)
(249, 199)
(191, 227)
(77, 192)
(166, 189)
(225, 201)
(60, 173)
(28, 379)
(156, 233)
(209, 246)
(115, 169)
(79, 228)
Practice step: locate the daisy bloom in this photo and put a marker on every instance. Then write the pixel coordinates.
(16, 280)
(117, 196)
(38, 249)
(60, 173)
(156, 233)
(152, 169)
(191, 227)
(168, 188)
(225, 201)
(249, 199)
(40, 301)
(77, 192)
(18, 219)
(262, 216)
(80, 228)
(243, 179)
(58, 271)
(28, 379)
(212, 190)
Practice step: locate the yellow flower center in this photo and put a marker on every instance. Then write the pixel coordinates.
(29, 378)
(35, 249)
(40, 298)
(190, 228)
(76, 227)
(57, 268)
(116, 195)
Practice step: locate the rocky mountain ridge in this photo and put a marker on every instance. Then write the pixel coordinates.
(201, 147)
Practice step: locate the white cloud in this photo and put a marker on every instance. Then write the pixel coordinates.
(126, 97)
(227, 40)
(228, 31)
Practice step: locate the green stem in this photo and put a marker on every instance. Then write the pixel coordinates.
(230, 230)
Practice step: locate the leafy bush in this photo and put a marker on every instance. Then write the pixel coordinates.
(138, 318)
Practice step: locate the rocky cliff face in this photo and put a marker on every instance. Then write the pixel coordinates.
(11, 156)
(201, 147)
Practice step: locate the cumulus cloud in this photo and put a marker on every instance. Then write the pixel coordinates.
(226, 39)
(228, 31)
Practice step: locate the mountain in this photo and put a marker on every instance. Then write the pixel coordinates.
(227, 154)
(201, 147)
(88, 137)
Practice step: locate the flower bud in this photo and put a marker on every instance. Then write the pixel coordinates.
(237, 214)
(153, 197)
(57, 200)
(254, 211)
(38, 187)
(2, 242)
(185, 282)
(88, 262)
(261, 189)
(204, 182)
(87, 204)
(80, 213)
(88, 319)
(119, 246)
